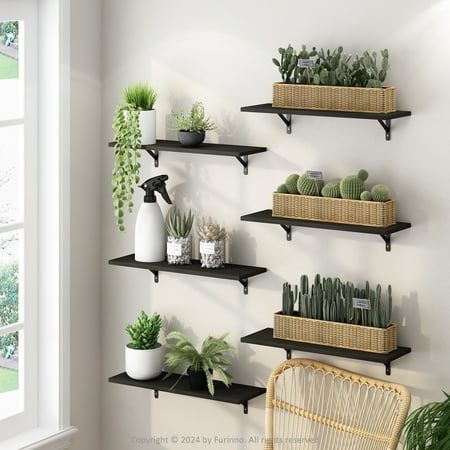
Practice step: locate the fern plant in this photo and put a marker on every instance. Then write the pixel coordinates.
(195, 121)
(145, 332)
(137, 97)
(211, 359)
(428, 427)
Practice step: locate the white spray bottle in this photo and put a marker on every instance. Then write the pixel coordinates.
(150, 237)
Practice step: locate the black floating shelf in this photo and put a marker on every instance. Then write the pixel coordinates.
(240, 152)
(265, 216)
(229, 272)
(238, 394)
(286, 114)
(265, 337)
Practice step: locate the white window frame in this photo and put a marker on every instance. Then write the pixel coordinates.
(51, 428)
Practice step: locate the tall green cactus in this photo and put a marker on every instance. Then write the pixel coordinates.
(289, 299)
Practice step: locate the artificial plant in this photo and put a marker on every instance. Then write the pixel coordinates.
(178, 225)
(211, 359)
(137, 97)
(144, 332)
(194, 121)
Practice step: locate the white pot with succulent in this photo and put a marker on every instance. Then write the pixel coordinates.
(179, 243)
(212, 245)
(144, 354)
(134, 125)
(192, 127)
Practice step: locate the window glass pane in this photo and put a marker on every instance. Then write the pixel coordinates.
(11, 85)
(9, 279)
(11, 399)
(11, 174)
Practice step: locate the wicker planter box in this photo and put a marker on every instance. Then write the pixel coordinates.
(338, 98)
(335, 334)
(337, 210)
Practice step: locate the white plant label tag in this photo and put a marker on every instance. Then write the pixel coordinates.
(314, 174)
(207, 248)
(362, 303)
(173, 249)
(306, 63)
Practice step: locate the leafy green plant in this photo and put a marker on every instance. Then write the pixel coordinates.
(332, 68)
(179, 226)
(144, 332)
(330, 299)
(140, 96)
(428, 427)
(8, 32)
(195, 121)
(211, 358)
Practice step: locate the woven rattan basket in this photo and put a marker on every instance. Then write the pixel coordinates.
(335, 334)
(337, 210)
(338, 98)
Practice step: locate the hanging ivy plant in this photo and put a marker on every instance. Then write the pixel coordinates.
(126, 167)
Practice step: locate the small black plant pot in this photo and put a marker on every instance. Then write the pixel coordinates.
(190, 138)
(197, 379)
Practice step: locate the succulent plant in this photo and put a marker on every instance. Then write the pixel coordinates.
(353, 185)
(366, 196)
(332, 189)
(332, 300)
(291, 183)
(309, 186)
(332, 68)
(209, 231)
(179, 226)
(282, 189)
(380, 193)
(144, 333)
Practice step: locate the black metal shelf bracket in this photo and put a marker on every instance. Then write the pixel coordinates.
(288, 230)
(155, 275)
(244, 282)
(244, 161)
(154, 154)
(387, 239)
(288, 353)
(156, 393)
(386, 124)
(388, 368)
(245, 405)
(287, 119)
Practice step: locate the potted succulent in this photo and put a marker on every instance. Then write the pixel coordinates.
(337, 314)
(191, 127)
(428, 427)
(144, 354)
(179, 244)
(345, 200)
(203, 365)
(313, 79)
(134, 125)
(212, 245)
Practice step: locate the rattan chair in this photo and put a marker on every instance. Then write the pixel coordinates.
(311, 405)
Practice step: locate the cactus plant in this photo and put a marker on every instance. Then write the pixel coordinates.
(332, 300)
(366, 196)
(309, 186)
(353, 185)
(381, 193)
(291, 183)
(282, 189)
(332, 189)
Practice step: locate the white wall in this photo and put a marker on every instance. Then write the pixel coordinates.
(85, 221)
(220, 52)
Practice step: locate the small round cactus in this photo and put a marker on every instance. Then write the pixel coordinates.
(291, 183)
(353, 185)
(381, 193)
(308, 186)
(366, 196)
(331, 189)
(282, 189)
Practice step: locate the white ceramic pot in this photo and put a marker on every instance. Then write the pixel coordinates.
(147, 124)
(144, 364)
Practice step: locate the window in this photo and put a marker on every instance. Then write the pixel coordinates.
(18, 216)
